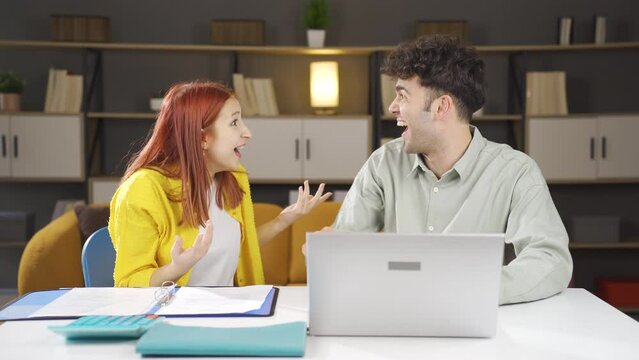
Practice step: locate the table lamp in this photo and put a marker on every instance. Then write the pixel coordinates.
(324, 87)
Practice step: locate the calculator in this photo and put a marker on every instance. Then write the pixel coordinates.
(101, 327)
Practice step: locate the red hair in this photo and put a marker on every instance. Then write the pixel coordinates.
(175, 148)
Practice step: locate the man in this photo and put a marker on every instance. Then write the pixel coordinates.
(443, 176)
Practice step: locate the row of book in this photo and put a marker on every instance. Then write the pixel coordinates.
(64, 92)
(256, 96)
(80, 28)
(566, 26)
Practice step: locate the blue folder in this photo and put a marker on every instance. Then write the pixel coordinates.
(21, 308)
(164, 339)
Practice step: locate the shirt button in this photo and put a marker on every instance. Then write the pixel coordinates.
(431, 228)
(436, 189)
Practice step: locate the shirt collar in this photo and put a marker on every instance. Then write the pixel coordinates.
(462, 166)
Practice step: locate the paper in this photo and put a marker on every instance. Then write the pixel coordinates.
(136, 301)
(100, 301)
(225, 300)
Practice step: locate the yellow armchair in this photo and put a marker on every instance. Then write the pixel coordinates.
(51, 259)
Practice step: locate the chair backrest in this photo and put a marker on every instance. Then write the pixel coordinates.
(98, 259)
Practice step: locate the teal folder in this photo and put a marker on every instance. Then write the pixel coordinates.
(164, 339)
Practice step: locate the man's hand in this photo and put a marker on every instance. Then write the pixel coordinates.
(324, 229)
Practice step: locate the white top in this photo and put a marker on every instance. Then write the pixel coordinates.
(572, 325)
(218, 266)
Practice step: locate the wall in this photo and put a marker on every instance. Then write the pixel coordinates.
(597, 81)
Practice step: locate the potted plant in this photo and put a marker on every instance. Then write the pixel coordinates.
(316, 20)
(11, 86)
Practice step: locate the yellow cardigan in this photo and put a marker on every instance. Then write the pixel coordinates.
(143, 224)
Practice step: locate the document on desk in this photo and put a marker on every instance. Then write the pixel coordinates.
(135, 301)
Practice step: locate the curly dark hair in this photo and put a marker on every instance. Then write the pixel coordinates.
(444, 66)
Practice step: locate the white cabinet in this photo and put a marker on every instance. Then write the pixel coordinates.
(317, 149)
(585, 148)
(42, 147)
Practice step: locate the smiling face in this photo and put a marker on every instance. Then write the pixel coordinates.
(414, 109)
(224, 140)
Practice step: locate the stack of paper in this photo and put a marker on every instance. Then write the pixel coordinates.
(64, 92)
(256, 95)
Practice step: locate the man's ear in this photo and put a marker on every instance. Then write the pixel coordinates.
(444, 106)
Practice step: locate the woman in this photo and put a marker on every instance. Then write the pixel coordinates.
(183, 212)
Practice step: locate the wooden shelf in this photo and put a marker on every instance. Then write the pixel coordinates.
(540, 48)
(121, 115)
(299, 50)
(12, 244)
(266, 50)
(624, 245)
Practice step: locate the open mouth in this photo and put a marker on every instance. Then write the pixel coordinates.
(238, 152)
(402, 123)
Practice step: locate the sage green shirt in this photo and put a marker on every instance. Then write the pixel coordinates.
(491, 189)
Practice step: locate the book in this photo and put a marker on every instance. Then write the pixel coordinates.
(260, 88)
(59, 91)
(600, 29)
(242, 95)
(73, 102)
(546, 93)
(565, 30)
(64, 92)
(250, 94)
(270, 96)
(48, 102)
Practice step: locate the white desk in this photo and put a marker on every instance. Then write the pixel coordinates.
(572, 325)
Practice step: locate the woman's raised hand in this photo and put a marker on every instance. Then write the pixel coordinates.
(185, 259)
(305, 203)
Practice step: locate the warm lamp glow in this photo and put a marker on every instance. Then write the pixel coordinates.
(324, 85)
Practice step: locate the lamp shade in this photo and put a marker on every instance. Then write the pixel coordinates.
(324, 84)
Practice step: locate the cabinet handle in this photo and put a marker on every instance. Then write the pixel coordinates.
(4, 146)
(15, 146)
(603, 147)
(297, 149)
(308, 149)
(592, 148)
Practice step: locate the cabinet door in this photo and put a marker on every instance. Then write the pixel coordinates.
(335, 149)
(274, 151)
(618, 151)
(48, 147)
(5, 150)
(564, 148)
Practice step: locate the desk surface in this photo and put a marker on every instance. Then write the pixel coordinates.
(571, 325)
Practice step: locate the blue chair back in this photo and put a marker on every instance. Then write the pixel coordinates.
(98, 259)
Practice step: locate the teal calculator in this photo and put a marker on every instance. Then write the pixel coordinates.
(102, 327)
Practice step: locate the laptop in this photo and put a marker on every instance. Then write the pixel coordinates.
(382, 284)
